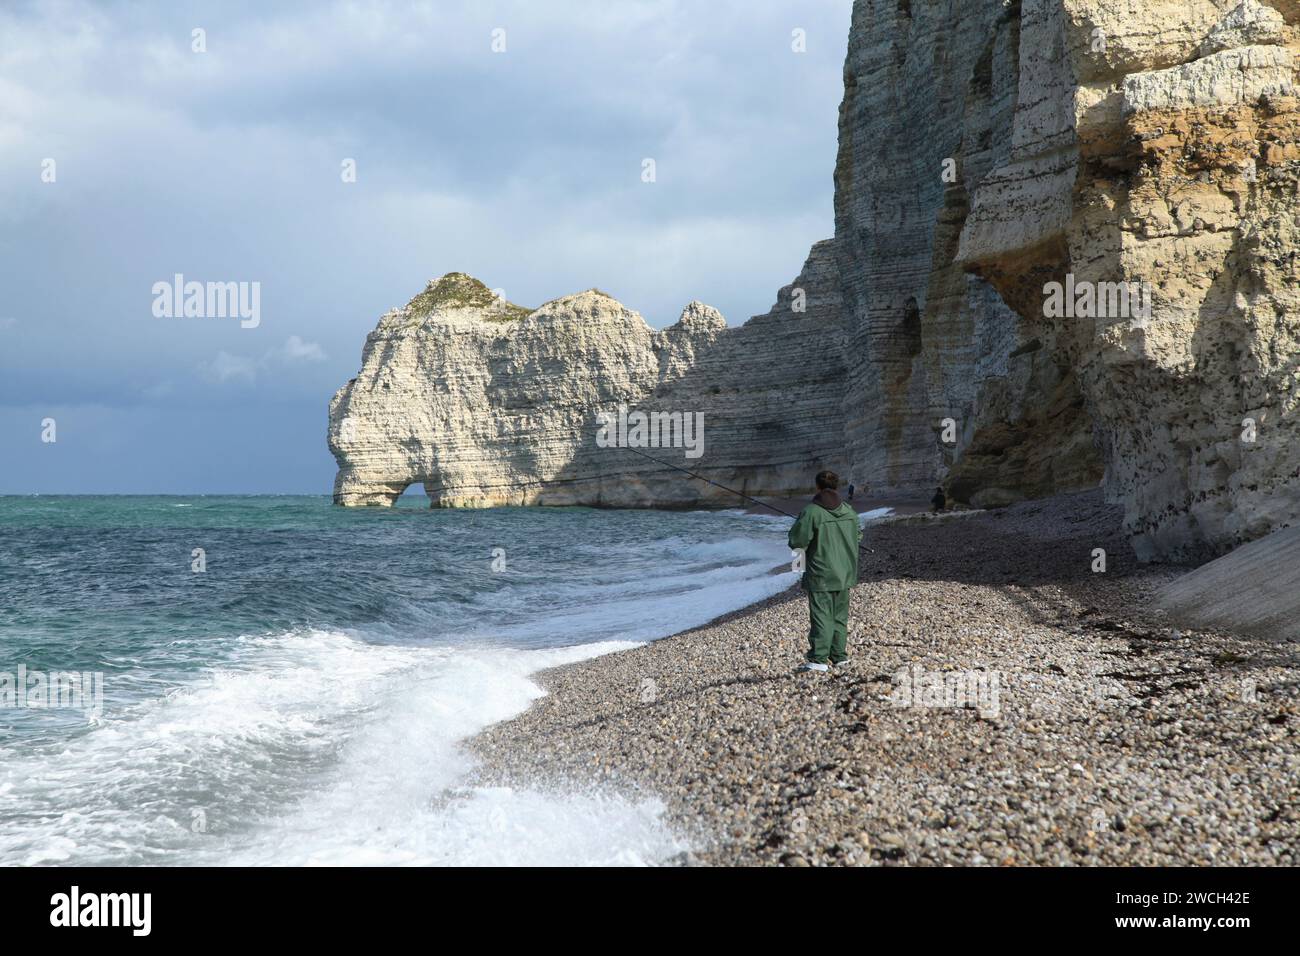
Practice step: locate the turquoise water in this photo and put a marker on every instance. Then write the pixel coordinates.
(299, 698)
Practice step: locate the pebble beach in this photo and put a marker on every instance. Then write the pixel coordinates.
(1005, 703)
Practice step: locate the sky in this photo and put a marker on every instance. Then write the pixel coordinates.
(133, 148)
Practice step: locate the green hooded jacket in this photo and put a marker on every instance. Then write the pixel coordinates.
(828, 533)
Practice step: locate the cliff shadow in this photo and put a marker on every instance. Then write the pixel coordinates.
(1042, 553)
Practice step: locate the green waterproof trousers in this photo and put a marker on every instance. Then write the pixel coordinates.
(828, 633)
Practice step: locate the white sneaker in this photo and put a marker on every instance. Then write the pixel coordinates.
(811, 666)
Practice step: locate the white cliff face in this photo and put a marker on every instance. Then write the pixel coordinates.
(946, 381)
(987, 149)
(488, 404)
(1108, 143)
(1167, 159)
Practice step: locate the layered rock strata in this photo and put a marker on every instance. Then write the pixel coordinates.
(990, 151)
(486, 403)
(1160, 151)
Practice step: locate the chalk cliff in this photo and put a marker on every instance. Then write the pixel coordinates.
(486, 403)
(987, 149)
(1156, 143)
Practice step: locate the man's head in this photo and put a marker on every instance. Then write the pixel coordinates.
(827, 480)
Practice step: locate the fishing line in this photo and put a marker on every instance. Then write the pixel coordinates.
(686, 471)
(712, 482)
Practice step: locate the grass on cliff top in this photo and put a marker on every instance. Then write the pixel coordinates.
(456, 290)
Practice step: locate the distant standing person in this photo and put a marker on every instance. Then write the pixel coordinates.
(939, 500)
(827, 532)
(850, 491)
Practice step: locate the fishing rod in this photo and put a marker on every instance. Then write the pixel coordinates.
(715, 484)
(686, 471)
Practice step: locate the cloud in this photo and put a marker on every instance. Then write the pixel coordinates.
(522, 168)
(7, 323)
(742, 129)
(296, 350)
(225, 367)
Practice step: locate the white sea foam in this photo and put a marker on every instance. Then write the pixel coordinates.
(321, 747)
(313, 748)
(395, 795)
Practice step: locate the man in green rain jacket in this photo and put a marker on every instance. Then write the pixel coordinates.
(827, 532)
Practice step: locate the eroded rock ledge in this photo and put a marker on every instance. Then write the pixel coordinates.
(1112, 142)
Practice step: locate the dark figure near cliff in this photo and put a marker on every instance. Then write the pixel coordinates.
(940, 500)
(827, 532)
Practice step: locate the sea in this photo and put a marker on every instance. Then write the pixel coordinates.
(278, 681)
